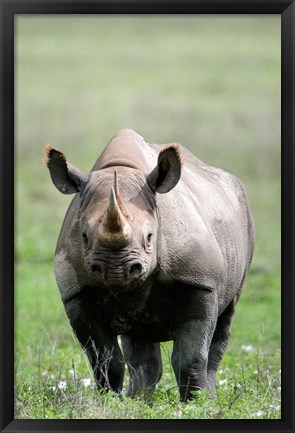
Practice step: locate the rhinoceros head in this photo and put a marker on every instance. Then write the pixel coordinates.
(117, 216)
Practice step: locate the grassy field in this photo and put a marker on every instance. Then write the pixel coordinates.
(211, 83)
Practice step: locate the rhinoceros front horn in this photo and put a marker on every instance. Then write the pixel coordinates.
(114, 230)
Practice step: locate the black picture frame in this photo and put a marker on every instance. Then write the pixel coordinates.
(9, 9)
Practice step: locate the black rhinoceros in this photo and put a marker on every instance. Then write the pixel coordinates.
(155, 246)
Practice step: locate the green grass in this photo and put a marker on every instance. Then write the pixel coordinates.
(210, 83)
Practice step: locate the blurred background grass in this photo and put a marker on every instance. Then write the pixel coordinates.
(211, 83)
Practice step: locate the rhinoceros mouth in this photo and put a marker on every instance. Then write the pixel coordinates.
(119, 279)
(119, 285)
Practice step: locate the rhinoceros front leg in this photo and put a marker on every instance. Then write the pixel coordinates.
(144, 365)
(99, 343)
(196, 320)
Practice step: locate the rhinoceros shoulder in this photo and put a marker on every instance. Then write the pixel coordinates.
(205, 224)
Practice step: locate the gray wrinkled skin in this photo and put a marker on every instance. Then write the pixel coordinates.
(154, 258)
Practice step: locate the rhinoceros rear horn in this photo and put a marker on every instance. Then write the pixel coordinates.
(114, 230)
(66, 178)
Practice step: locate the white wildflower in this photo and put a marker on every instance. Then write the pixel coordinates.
(44, 373)
(86, 382)
(62, 385)
(178, 414)
(259, 413)
(222, 382)
(247, 348)
(255, 372)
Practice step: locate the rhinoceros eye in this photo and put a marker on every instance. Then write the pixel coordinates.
(149, 238)
(85, 239)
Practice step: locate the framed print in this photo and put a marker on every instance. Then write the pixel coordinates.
(122, 313)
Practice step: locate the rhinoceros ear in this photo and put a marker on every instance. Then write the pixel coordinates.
(166, 174)
(67, 178)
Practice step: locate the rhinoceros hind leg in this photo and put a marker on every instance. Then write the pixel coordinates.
(100, 345)
(219, 343)
(144, 364)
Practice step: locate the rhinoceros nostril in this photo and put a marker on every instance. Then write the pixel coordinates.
(135, 270)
